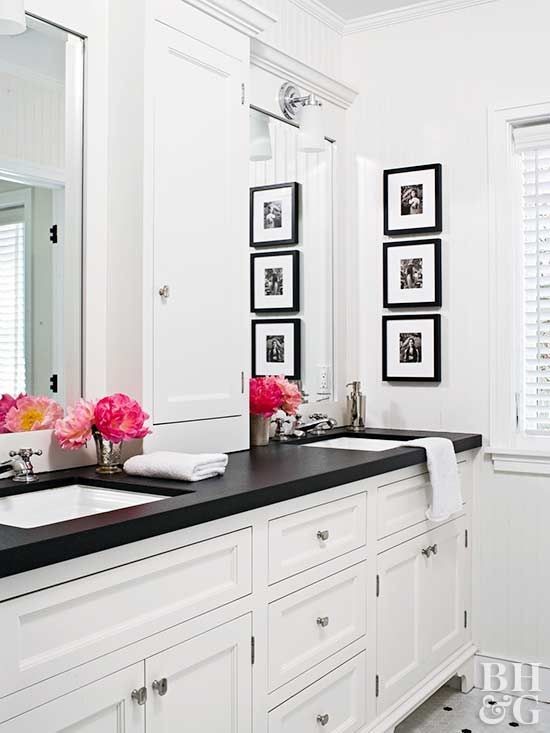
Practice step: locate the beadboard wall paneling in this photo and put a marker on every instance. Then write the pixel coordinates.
(306, 36)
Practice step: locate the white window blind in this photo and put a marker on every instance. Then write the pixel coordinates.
(533, 145)
(12, 301)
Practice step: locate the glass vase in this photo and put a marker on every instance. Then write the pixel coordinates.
(259, 430)
(109, 455)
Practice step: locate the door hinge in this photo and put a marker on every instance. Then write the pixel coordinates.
(242, 382)
(53, 383)
(466, 538)
(53, 234)
(378, 586)
(377, 686)
(243, 93)
(465, 619)
(252, 649)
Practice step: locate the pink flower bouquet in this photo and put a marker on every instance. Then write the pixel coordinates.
(24, 413)
(115, 418)
(266, 396)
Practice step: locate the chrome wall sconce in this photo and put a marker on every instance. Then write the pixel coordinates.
(308, 110)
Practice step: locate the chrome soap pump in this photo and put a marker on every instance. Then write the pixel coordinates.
(356, 407)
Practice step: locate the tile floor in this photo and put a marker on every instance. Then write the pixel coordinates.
(449, 711)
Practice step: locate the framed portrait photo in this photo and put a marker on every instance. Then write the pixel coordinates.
(411, 348)
(274, 214)
(276, 348)
(412, 273)
(275, 282)
(412, 200)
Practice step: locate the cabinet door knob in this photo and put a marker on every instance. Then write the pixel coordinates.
(323, 535)
(322, 621)
(427, 551)
(160, 686)
(323, 719)
(139, 695)
(434, 549)
(164, 292)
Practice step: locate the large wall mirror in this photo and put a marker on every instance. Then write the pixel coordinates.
(41, 141)
(276, 158)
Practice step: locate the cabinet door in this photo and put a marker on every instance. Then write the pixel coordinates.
(444, 596)
(200, 230)
(208, 683)
(105, 706)
(400, 648)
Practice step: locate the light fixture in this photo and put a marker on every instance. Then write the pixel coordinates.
(309, 109)
(12, 17)
(260, 138)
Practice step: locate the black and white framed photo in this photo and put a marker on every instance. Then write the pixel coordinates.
(411, 348)
(412, 273)
(412, 200)
(276, 348)
(275, 282)
(274, 214)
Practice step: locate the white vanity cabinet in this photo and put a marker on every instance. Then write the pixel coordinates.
(306, 615)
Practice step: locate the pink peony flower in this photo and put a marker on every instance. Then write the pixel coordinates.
(292, 397)
(6, 403)
(119, 417)
(75, 430)
(266, 396)
(33, 413)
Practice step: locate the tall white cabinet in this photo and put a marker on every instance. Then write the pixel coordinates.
(178, 217)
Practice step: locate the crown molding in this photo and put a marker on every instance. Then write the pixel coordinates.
(322, 13)
(307, 78)
(246, 17)
(408, 13)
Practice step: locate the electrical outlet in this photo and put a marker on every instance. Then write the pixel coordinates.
(323, 380)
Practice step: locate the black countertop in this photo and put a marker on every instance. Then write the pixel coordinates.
(254, 478)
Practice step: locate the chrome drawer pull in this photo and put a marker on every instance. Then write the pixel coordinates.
(160, 686)
(140, 696)
(322, 621)
(427, 551)
(323, 535)
(323, 719)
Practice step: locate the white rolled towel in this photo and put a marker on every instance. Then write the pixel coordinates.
(446, 498)
(177, 466)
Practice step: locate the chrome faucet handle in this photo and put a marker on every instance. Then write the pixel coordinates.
(22, 465)
(280, 434)
(318, 416)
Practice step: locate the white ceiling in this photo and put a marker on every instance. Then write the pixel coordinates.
(349, 9)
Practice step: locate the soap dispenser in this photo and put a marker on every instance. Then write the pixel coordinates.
(356, 407)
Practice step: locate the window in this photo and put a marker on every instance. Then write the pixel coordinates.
(12, 301)
(532, 145)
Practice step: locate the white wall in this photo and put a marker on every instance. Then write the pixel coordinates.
(426, 87)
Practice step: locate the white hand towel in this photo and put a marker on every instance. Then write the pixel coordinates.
(446, 496)
(177, 466)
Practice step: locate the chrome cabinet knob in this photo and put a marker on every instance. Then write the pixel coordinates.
(322, 621)
(323, 719)
(139, 695)
(160, 686)
(434, 549)
(323, 535)
(427, 551)
(164, 292)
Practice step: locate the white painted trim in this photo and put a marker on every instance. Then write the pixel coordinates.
(320, 12)
(244, 16)
(511, 460)
(417, 11)
(31, 174)
(288, 68)
(544, 695)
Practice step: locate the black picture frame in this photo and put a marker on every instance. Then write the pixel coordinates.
(436, 319)
(294, 256)
(438, 226)
(294, 219)
(296, 324)
(437, 301)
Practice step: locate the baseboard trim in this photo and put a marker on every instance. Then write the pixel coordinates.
(544, 695)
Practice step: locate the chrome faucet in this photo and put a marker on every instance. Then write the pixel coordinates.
(356, 407)
(21, 465)
(318, 424)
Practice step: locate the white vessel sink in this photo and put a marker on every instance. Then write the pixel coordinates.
(357, 444)
(47, 506)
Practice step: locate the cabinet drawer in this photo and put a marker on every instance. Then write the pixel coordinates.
(315, 622)
(294, 542)
(58, 628)
(334, 704)
(404, 503)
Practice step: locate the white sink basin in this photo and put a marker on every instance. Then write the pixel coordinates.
(47, 506)
(357, 444)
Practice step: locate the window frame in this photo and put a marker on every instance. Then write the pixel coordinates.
(511, 448)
